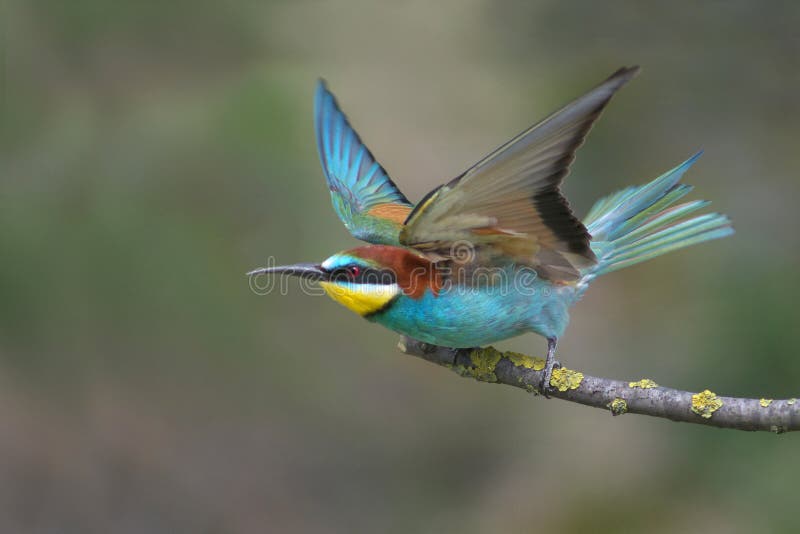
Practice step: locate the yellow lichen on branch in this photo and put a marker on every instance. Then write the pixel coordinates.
(523, 360)
(618, 406)
(644, 383)
(706, 403)
(564, 379)
(484, 362)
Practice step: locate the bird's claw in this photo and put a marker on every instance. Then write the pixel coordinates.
(545, 387)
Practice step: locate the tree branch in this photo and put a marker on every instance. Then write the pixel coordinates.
(642, 397)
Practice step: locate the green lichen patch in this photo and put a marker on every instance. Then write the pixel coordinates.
(765, 402)
(618, 406)
(644, 383)
(564, 379)
(484, 362)
(706, 403)
(523, 360)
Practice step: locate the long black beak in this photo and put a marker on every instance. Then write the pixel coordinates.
(309, 271)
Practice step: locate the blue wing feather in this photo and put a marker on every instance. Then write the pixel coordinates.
(356, 180)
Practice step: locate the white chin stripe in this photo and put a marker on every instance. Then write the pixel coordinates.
(368, 289)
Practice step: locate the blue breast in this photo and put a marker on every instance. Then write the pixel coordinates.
(464, 317)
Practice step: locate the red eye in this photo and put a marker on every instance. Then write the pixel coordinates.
(354, 270)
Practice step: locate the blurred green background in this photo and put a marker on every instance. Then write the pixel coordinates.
(152, 152)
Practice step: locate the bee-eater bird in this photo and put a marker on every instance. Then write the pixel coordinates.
(496, 251)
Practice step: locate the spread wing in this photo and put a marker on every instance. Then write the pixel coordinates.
(508, 205)
(363, 195)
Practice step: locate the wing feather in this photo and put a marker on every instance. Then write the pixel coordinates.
(509, 203)
(364, 197)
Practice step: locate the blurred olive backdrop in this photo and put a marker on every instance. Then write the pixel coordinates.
(152, 152)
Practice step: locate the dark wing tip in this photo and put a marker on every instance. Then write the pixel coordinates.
(593, 104)
(614, 83)
(622, 76)
(626, 72)
(583, 112)
(610, 86)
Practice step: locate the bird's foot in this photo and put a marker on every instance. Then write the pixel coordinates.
(549, 364)
(545, 386)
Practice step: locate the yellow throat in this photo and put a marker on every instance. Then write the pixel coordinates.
(363, 299)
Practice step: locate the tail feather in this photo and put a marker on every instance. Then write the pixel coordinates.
(640, 223)
(633, 229)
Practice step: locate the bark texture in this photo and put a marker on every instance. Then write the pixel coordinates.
(619, 397)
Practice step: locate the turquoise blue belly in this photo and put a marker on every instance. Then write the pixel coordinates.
(469, 317)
